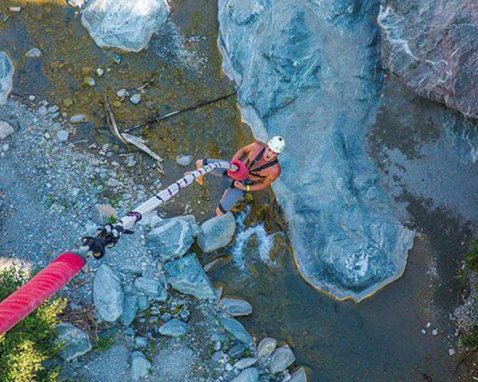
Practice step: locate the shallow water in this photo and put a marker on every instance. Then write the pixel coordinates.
(379, 339)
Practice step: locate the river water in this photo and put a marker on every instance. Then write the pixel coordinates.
(379, 339)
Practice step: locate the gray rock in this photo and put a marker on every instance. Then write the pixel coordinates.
(122, 93)
(266, 347)
(33, 52)
(124, 24)
(245, 363)
(62, 135)
(281, 359)
(217, 357)
(103, 213)
(140, 366)
(299, 376)
(431, 46)
(90, 81)
(5, 130)
(237, 330)
(173, 328)
(6, 77)
(75, 342)
(236, 351)
(143, 302)
(141, 342)
(216, 232)
(247, 375)
(130, 307)
(151, 287)
(346, 237)
(170, 238)
(107, 294)
(135, 99)
(236, 307)
(187, 276)
(184, 160)
(42, 110)
(79, 118)
(53, 109)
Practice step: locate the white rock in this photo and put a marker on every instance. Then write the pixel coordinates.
(62, 135)
(5, 130)
(78, 118)
(33, 52)
(451, 351)
(434, 332)
(100, 72)
(15, 9)
(135, 99)
(31, 98)
(122, 93)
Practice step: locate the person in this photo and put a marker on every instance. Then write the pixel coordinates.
(263, 165)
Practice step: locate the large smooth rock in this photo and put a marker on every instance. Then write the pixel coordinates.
(151, 287)
(187, 276)
(217, 232)
(237, 330)
(247, 375)
(266, 347)
(432, 46)
(321, 94)
(107, 294)
(281, 359)
(75, 342)
(171, 238)
(173, 328)
(6, 77)
(124, 24)
(139, 366)
(236, 307)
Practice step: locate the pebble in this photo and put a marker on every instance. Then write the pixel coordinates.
(78, 118)
(42, 110)
(31, 98)
(184, 160)
(135, 99)
(434, 332)
(67, 102)
(117, 104)
(15, 9)
(100, 72)
(33, 52)
(245, 363)
(424, 331)
(117, 58)
(89, 81)
(122, 93)
(5, 130)
(62, 135)
(217, 345)
(53, 109)
(451, 351)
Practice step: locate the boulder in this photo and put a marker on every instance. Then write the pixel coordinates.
(266, 347)
(432, 47)
(124, 24)
(5, 130)
(237, 330)
(347, 239)
(171, 238)
(236, 307)
(216, 232)
(139, 366)
(173, 328)
(187, 276)
(107, 294)
(6, 77)
(281, 359)
(75, 342)
(247, 375)
(151, 287)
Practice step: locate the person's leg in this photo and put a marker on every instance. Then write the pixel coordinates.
(229, 199)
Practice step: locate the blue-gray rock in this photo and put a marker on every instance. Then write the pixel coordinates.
(124, 24)
(281, 359)
(143, 302)
(62, 135)
(299, 376)
(75, 342)
(79, 118)
(216, 232)
(173, 328)
(130, 307)
(236, 351)
(33, 53)
(5, 130)
(170, 238)
(107, 294)
(431, 46)
(135, 99)
(321, 97)
(247, 375)
(187, 276)
(6, 77)
(151, 287)
(217, 356)
(266, 347)
(103, 213)
(236, 307)
(245, 363)
(141, 342)
(237, 330)
(139, 366)
(184, 160)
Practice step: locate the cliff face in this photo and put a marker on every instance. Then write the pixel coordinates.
(308, 71)
(432, 46)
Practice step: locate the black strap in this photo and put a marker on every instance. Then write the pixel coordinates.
(264, 166)
(257, 158)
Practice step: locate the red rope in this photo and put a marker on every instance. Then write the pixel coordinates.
(44, 285)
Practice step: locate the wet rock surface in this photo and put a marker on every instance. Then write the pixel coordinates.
(431, 46)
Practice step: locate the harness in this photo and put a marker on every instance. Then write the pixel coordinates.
(254, 171)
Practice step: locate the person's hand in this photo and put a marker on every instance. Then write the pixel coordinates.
(239, 185)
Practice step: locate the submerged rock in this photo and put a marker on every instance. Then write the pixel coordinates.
(236, 307)
(237, 330)
(299, 376)
(6, 77)
(75, 342)
(187, 276)
(266, 347)
(321, 94)
(217, 232)
(107, 294)
(124, 24)
(432, 46)
(281, 359)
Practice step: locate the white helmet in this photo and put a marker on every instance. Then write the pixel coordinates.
(276, 144)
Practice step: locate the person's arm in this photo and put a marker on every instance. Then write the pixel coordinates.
(243, 152)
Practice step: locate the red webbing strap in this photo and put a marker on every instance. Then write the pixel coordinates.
(45, 284)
